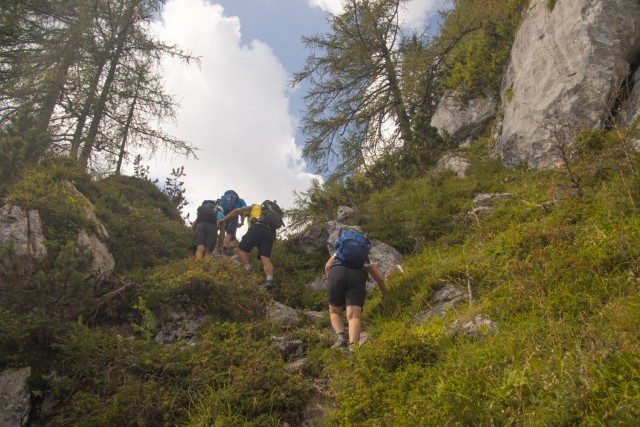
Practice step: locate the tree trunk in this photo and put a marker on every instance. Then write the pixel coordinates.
(126, 132)
(84, 114)
(121, 40)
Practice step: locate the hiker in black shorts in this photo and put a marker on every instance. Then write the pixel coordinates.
(206, 229)
(346, 287)
(258, 235)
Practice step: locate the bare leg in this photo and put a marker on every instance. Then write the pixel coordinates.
(267, 266)
(221, 236)
(243, 256)
(355, 323)
(199, 251)
(335, 315)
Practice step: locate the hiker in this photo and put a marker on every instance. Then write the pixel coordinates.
(206, 229)
(229, 201)
(347, 272)
(264, 221)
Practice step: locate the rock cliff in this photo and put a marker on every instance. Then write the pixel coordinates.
(565, 72)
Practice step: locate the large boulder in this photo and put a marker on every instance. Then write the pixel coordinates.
(103, 263)
(455, 163)
(463, 120)
(566, 66)
(314, 240)
(385, 256)
(22, 230)
(15, 399)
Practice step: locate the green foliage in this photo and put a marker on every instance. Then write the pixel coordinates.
(145, 228)
(221, 289)
(550, 5)
(106, 378)
(49, 188)
(476, 63)
(508, 96)
(233, 377)
(560, 278)
(246, 380)
(21, 146)
(293, 271)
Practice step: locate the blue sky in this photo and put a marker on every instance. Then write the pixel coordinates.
(237, 106)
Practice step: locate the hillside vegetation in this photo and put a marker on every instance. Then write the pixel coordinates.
(557, 270)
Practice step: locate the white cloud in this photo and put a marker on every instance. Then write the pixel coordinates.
(233, 107)
(332, 6)
(414, 14)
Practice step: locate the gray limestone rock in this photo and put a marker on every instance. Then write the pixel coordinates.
(15, 399)
(103, 263)
(453, 162)
(566, 66)
(463, 120)
(22, 230)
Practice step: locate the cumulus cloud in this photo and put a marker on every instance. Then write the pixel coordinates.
(233, 108)
(414, 14)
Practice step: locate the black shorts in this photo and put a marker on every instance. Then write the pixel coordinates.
(347, 286)
(259, 236)
(231, 227)
(206, 234)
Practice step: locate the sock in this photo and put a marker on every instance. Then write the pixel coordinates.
(269, 277)
(247, 267)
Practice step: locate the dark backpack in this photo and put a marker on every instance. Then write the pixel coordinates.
(271, 215)
(207, 211)
(229, 200)
(352, 248)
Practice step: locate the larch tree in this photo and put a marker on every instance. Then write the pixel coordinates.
(355, 101)
(73, 68)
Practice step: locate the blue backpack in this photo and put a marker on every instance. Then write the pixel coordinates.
(352, 248)
(229, 200)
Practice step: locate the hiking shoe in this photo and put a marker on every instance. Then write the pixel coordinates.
(230, 251)
(341, 342)
(268, 285)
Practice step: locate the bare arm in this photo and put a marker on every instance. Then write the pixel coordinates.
(327, 266)
(234, 213)
(373, 269)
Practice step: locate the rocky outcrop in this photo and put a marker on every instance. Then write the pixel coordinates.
(282, 315)
(483, 204)
(22, 230)
(320, 240)
(15, 401)
(103, 263)
(313, 241)
(565, 69)
(444, 298)
(455, 163)
(460, 120)
(89, 212)
(179, 324)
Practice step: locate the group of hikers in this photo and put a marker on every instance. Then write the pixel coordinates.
(347, 270)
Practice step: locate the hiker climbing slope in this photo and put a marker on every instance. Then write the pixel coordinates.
(264, 221)
(230, 201)
(347, 271)
(206, 228)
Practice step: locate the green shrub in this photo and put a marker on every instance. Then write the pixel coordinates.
(145, 228)
(245, 378)
(219, 288)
